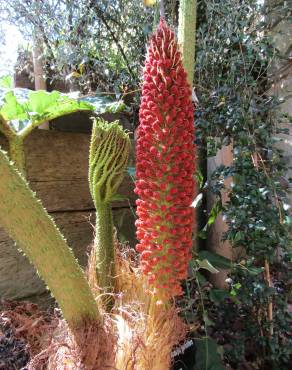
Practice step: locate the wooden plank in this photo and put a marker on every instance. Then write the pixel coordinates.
(215, 243)
(57, 167)
(18, 279)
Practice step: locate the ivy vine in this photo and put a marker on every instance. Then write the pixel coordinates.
(235, 54)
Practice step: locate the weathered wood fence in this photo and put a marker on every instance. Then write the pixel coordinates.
(57, 165)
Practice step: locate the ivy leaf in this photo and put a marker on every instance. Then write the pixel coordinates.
(217, 296)
(207, 355)
(255, 270)
(206, 265)
(215, 211)
(215, 259)
(12, 109)
(201, 278)
(199, 178)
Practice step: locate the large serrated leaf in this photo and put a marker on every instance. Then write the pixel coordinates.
(40, 101)
(11, 109)
(64, 106)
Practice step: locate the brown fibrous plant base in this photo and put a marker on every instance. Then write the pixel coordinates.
(138, 334)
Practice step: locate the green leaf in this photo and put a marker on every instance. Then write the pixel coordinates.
(199, 178)
(215, 259)
(12, 110)
(255, 270)
(40, 101)
(62, 107)
(48, 106)
(217, 296)
(40, 106)
(235, 289)
(6, 82)
(202, 234)
(201, 278)
(207, 355)
(238, 236)
(215, 211)
(206, 265)
(116, 107)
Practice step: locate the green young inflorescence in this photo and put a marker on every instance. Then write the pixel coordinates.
(108, 158)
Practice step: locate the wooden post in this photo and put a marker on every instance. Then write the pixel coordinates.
(38, 70)
(215, 243)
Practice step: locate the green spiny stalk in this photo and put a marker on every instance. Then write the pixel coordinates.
(108, 158)
(187, 35)
(27, 222)
(16, 153)
(187, 40)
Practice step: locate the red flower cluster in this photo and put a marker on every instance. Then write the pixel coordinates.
(165, 166)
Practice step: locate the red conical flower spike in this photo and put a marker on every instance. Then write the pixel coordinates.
(165, 166)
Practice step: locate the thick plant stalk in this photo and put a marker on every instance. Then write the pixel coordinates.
(108, 158)
(165, 167)
(16, 153)
(187, 35)
(187, 42)
(27, 222)
(104, 247)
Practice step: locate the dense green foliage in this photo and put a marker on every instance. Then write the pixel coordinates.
(234, 106)
(92, 44)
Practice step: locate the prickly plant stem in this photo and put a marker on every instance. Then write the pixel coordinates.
(15, 143)
(16, 152)
(187, 40)
(6, 129)
(26, 221)
(104, 250)
(187, 35)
